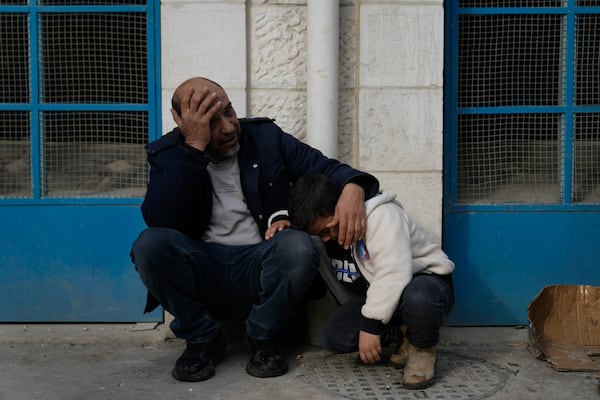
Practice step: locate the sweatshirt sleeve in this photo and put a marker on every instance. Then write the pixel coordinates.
(388, 241)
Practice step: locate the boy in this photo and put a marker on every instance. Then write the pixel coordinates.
(401, 275)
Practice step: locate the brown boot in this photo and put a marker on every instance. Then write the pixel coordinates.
(419, 372)
(400, 356)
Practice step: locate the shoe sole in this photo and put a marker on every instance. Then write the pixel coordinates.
(420, 385)
(206, 373)
(265, 374)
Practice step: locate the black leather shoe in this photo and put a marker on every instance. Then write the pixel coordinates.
(197, 363)
(266, 360)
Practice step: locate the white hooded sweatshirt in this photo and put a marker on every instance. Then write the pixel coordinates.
(397, 249)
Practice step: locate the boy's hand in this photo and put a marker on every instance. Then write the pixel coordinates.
(350, 215)
(275, 227)
(369, 347)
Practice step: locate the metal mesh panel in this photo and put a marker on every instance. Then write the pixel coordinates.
(587, 62)
(84, 57)
(89, 2)
(512, 3)
(509, 158)
(510, 60)
(586, 159)
(98, 154)
(15, 155)
(94, 58)
(515, 60)
(14, 58)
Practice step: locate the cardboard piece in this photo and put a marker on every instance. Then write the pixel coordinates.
(564, 323)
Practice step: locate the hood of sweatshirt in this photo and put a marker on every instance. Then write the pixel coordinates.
(379, 199)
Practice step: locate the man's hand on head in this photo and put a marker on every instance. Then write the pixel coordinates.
(350, 215)
(197, 110)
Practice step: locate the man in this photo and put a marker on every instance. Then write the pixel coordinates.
(216, 247)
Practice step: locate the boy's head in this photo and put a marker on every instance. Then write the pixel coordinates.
(311, 205)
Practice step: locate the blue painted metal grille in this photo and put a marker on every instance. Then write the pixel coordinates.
(89, 2)
(508, 158)
(523, 104)
(586, 168)
(511, 3)
(93, 58)
(15, 153)
(94, 154)
(14, 58)
(510, 60)
(77, 98)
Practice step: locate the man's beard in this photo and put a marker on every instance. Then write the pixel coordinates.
(217, 156)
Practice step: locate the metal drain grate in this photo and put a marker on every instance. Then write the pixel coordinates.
(457, 377)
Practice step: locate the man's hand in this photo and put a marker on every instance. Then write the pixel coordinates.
(350, 215)
(197, 110)
(369, 347)
(275, 227)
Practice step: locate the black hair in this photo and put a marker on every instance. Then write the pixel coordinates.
(312, 196)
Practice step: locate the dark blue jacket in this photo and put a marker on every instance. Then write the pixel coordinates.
(179, 194)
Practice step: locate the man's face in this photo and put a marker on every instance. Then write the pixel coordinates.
(224, 129)
(319, 228)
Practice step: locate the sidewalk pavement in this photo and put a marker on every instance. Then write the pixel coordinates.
(115, 361)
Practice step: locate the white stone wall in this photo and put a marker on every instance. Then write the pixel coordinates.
(277, 60)
(203, 38)
(391, 79)
(401, 102)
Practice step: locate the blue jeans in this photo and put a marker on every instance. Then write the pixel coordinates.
(202, 283)
(423, 307)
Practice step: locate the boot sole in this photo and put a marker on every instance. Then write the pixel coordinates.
(420, 385)
(259, 373)
(206, 373)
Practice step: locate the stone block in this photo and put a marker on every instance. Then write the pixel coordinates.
(401, 130)
(203, 39)
(420, 194)
(401, 45)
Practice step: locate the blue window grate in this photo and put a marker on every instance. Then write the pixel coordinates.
(522, 105)
(78, 99)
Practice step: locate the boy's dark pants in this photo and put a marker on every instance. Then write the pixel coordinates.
(423, 307)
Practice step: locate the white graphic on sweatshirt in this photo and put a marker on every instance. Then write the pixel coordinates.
(345, 271)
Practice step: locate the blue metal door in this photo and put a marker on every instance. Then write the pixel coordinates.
(522, 152)
(78, 101)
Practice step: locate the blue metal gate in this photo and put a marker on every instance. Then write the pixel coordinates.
(79, 91)
(522, 152)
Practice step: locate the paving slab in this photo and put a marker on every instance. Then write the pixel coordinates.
(92, 362)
